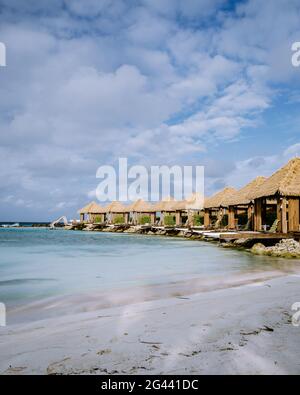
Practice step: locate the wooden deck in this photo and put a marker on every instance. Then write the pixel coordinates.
(254, 236)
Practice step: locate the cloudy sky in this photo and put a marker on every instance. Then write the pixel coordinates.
(206, 82)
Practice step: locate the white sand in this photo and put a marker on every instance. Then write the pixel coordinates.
(240, 330)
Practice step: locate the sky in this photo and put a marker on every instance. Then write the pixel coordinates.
(161, 82)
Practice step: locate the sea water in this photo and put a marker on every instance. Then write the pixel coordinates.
(39, 263)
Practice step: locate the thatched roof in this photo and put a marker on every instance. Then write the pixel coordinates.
(193, 202)
(115, 207)
(167, 204)
(91, 208)
(140, 206)
(285, 182)
(245, 195)
(219, 199)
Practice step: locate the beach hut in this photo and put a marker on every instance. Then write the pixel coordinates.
(282, 192)
(93, 211)
(167, 210)
(241, 202)
(186, 210)
(142, 210)
(216, 206)
(116, 213)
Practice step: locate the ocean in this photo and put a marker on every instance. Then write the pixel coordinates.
(37, 264)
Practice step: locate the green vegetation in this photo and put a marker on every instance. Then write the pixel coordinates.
(169, 220)
(198, 220)
(97, 219)
(119, 219)
(144, 219)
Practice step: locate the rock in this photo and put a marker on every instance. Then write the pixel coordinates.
(243, 242)
(286, 248)
(258, 249)
(228, 244)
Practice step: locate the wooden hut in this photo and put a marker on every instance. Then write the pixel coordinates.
(185, 210)
(282, 190)
(140, 209)
(116, 213)
(90, 212)
(216, 206)
(166, 208)
(241, 202)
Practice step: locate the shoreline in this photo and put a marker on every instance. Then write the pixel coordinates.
(277, 247)
(270, 247)
(76, 303)
(244, 329)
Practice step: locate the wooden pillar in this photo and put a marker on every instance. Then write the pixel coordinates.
(284, 223)
(206, 218)
(152, 218)
(264, 211)
(178, 218)
(126, 218)
(258, 215)
(190, 219)
(279, 226)
(250, 215)
(293, 224)
(249, 212)
(231, 217)
(220, 215)
(81, 217)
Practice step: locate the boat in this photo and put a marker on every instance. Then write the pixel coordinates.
(16, 225)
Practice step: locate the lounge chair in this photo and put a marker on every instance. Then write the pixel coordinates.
(217, 224)
(274, 227)
(247, 226)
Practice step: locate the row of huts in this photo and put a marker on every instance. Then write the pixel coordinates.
(264, 204)
(165, 212)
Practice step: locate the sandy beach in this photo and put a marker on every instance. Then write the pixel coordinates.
(243, 329)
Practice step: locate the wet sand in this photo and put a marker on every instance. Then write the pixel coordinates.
(243, 328)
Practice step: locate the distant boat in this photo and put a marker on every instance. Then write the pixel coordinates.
(16, 225)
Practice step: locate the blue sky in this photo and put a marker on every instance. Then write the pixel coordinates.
(203, 82)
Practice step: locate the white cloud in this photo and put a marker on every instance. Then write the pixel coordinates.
(293, 150)
(154, 81)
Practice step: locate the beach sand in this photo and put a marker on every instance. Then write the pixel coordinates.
(244, 329)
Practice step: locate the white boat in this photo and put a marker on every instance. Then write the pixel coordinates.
(16, 225)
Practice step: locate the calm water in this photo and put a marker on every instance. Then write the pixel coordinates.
(40, 263)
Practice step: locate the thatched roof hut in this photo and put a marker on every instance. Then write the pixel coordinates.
(166, 205)
(219, 199)
(91, 208)
(193, 202)
(245, 195)
(285, 182)
(140, 206)
(115, 207)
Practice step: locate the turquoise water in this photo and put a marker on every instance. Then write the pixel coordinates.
(40, 263)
